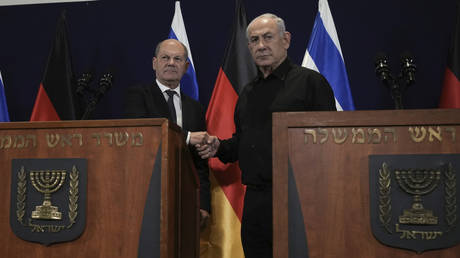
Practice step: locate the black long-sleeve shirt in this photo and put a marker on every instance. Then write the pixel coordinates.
(288, 88)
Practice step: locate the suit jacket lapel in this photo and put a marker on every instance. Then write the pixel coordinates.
(157, 104)
(187, 116)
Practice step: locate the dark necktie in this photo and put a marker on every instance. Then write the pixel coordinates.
(172, 110)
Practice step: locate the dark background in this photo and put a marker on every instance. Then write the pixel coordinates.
(120, 36)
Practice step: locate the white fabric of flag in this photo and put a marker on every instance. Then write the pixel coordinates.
(188, 83)
(4, 117)
(324, 55)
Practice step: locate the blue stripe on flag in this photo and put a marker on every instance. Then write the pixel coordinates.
(4, 117)
(188, 83)
(330, 63)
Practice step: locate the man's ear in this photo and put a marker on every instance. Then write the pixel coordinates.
(154, 63)
(287, 39)
(187, 63)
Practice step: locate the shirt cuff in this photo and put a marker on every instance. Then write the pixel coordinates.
(188, 138)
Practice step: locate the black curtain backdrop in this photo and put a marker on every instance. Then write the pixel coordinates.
(120, 36)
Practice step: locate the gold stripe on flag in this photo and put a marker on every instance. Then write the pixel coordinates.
(221, 238)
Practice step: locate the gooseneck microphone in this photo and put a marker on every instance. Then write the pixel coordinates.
(92, 95)
(382, 70)
(396, 85)
(408, 68)
(105, 83)
(83, 82)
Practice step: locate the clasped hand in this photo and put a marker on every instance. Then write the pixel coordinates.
(206, 145)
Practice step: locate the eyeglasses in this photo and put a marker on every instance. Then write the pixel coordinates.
(176, 59)
(267, 38)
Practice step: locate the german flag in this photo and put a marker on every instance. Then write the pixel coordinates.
(450, 95)
(227, 191)
(55, 98)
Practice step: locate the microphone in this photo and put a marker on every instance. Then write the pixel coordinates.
(82, 83)
(381, 68)
(383, 72)
(408, 67)
(105, 83)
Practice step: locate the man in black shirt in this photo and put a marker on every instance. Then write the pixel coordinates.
(280, 86)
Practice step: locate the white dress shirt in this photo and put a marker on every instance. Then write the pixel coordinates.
(177, 103)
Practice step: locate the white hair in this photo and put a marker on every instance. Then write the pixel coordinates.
(278, 20)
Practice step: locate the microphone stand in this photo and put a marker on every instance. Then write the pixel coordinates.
(396, 94)
(93, 96)
(398, 86)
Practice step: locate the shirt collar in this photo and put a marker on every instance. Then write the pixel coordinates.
(164, 88)
(280, 72)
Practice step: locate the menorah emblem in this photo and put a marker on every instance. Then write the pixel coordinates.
(47, 182)
(418, 182)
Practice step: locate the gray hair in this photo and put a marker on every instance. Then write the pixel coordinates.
(278, 20)
(157, 48)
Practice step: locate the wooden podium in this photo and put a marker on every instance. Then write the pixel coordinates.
(141, 190)
(322, 193)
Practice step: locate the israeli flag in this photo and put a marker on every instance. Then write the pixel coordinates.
(324, 55)
(188, 83)
(4, 117)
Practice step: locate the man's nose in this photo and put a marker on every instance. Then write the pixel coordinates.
(260, 45)
(171, 61)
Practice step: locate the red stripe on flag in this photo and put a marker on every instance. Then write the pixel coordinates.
(450, 95)
(219, 119)
(219, 115)
(43, 108)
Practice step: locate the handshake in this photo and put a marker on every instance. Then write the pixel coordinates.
(206, 145)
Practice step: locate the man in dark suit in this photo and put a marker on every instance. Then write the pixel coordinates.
(163, 98)
(280, 86)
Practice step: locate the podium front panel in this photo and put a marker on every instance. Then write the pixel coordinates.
(120, 157)
(322, 179)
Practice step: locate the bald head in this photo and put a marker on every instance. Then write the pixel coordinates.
(171, 42)
(265, 18)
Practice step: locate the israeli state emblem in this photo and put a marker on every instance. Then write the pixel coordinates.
(48, 199)
(414, 200)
